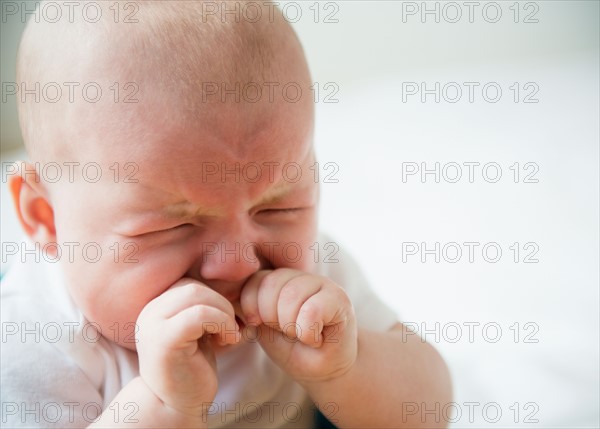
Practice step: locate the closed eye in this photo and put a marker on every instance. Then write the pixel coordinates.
(281, 211)
(183, 225)
(161, 231)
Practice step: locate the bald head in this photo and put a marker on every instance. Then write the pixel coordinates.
(163, 61)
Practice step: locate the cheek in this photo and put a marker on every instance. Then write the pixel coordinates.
(297, 247)
(112, 294)
(105, 296)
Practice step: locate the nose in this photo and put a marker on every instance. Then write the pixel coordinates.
(229, 261)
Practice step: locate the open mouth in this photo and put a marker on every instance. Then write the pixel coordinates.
(239, 315)
(240, 322)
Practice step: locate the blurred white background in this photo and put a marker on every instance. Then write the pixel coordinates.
(544, 369)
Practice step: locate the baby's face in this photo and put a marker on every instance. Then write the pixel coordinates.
(215, 199)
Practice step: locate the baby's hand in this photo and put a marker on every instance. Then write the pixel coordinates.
(176, 358)
(305, 322)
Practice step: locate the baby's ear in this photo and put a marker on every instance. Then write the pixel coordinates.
(32, 205)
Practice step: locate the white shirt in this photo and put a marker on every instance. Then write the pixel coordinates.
(57, 371)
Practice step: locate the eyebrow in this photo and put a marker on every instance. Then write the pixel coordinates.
(186, 210)
(276, 194)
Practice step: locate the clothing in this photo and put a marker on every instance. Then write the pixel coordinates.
(58, 371)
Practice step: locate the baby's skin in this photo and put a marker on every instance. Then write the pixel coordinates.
(185, 303)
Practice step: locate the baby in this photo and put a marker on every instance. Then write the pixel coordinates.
(182, 283)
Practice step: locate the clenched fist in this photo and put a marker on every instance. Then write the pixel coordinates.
(305, 323)
(176, 357)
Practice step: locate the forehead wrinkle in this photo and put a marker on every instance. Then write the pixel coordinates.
(186, 210)
(189, 210)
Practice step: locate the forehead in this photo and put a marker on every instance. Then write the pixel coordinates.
(239, 118)
(227, 149)
(161, 131)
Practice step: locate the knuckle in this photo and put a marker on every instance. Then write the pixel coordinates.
(199, 313)
(290, 293)
(341, 295)
(247, 299)
(338, 292)
(194, 291)
(310, 311)
(270, 280)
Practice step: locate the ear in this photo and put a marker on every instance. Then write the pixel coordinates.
(31, 202)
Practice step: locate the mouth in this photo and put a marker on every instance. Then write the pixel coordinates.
(239, 315)
(240, 322)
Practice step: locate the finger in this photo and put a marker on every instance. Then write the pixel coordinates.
(249, 298)
(268, 294)
(186, 293)
(291, 298)
(323, 314)
(197, 321)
